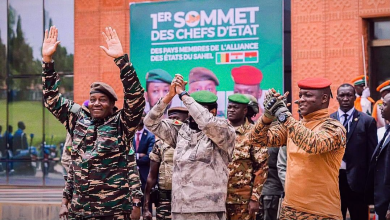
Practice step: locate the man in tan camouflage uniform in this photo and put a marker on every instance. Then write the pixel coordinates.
(161, 167)
(248, 170)
(203, 150)
(102, 177)
(315, 147)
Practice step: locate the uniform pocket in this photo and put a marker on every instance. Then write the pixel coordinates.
(107, 140)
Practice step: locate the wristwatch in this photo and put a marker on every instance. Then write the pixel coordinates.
(183, 93)
(282, 117)
(137, 204)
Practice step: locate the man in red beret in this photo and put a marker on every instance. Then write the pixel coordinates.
(103, 180)
(247, 80)
(315, 148)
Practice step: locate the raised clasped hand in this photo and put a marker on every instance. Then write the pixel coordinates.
(50, 43)
(180, 84)
(114, 45)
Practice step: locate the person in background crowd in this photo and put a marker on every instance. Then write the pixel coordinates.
(253, 108)
(381, 131)
(315, 147)
(384, 89)
(361, 142)
(102, 178)
(203, 149)
(247, 80)
(273, 187)
(143, 142)
(157, 85)
(248, 169)
(363, 100)
(19, 141)
(161, 167)
(379, 171)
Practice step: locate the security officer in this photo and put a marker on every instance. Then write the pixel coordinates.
(384, 89)
(161, 167)
(203, 150)
(253, 108)
(248, 169)
(97, 185)
(363, 100)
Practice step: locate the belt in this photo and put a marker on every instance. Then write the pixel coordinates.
(165, 194)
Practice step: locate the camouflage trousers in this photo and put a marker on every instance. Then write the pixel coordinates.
(111, 217)
(199, 216)
(288, 213)
(238, 212)
(163, 211)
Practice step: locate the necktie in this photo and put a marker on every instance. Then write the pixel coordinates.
(137, 141)
(345, 121)
(382, 142)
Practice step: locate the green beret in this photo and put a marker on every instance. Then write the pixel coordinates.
(204, 97)
(158, 75)
(253, 104)
(201, 74)
(238, 98)
(101, 87)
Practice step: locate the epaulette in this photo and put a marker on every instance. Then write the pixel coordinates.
(177, 122)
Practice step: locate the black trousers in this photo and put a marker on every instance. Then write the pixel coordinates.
(351, 201)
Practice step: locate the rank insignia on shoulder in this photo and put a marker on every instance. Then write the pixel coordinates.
(177, 122)
(131, 151)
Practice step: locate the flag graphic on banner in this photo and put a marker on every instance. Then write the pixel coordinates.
(237, 57)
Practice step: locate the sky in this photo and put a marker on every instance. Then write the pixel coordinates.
(31, 12)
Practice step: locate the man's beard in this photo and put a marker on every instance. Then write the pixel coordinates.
(192, 123)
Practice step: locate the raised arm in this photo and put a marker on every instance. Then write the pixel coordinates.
(166, 130)
(267, 135)
(63, 109)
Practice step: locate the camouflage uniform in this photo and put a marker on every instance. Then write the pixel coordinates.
(247, 174)
(315, 147)
(163, 154)
(200, 173)
(66, 159)
(103, 176)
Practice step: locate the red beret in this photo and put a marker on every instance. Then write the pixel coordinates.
(314, 83)
(247, 75)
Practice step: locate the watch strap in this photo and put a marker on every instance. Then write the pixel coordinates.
(183, 93)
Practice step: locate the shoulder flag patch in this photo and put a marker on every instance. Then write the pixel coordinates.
(177, 122)
(131, 151)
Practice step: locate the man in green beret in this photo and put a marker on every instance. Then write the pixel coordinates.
(157, 85)
(248, 169)
(203, 149)
(103, 180)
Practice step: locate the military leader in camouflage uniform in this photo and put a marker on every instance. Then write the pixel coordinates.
(248, 170)
(103, 177)
(204, 147)
(161, 167)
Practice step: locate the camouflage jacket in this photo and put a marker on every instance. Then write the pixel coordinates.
(200, 174)
(66, 158)
(103, 175)
(247, 171)
(163, 153)
(315, 148)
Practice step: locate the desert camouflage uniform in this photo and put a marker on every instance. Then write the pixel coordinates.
(163, 153)
(247, 174)
(103, 175)
(200, 173)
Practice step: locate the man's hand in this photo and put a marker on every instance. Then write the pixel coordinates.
(50, 43)
(147, 215)
(180, 83)
(136, 213)
(63, 212)
(114, 45)
(141, 155)
(253, 207)
(388, 215)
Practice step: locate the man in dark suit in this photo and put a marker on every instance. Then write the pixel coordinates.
(361, 142)
(380, 168)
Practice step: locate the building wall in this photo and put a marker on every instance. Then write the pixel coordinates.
(327, 39)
